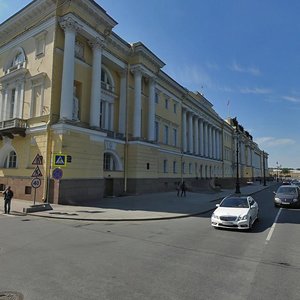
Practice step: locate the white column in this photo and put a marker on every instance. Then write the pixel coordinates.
(137, 102)
(196, 135)
(201, 134)
(97, 45)
(210, 141)
(213, 131)
(206, 141)
(151, 112)
(217, 144)
(5, 111)
(184, 144)
(1, 104)
(122, 107)
(17, 102)
(66, 102)
(190, 120)
(21, 98)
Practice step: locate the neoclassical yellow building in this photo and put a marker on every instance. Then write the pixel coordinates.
(84, 114)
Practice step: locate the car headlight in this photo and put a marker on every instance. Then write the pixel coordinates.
(215, 216)
(295, 200)
(277, 199)
(242, 217)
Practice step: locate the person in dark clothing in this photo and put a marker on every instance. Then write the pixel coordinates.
(178, 188)
(8, 194)
(183, 189)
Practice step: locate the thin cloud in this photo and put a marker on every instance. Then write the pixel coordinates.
(274, 142)
(241, 69)
(260, 91)
(291, 99)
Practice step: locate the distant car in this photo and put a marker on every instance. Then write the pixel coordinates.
(235, 212)
(286, 183)
(287, 195)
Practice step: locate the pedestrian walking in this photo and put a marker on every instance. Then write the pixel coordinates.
(183, 189)
(8, 194)
(178, 187)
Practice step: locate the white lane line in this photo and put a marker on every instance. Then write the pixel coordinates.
(273, 226)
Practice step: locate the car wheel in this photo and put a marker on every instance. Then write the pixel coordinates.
(257, 216)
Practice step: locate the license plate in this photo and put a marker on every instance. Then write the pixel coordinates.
(227, 223)
(285, 202)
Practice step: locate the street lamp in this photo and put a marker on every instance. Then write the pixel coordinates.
(264, 168)
(237, 182)
(277, 170)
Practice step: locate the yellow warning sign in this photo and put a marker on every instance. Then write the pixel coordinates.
(59, 160)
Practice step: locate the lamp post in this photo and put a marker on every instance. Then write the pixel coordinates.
(264, 168)
(277, 170)
(237, 182)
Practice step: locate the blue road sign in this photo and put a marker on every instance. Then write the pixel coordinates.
(57, 173)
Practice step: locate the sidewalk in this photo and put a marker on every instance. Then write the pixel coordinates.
(134, 208)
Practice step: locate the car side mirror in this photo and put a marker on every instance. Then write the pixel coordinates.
(217, 205)
(274, 192)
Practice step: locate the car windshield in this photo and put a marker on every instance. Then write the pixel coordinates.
(287, 190)
(235, 202)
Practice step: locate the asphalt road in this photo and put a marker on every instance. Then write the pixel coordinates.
(167, 259)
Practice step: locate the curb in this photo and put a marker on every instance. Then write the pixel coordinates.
(134, 219)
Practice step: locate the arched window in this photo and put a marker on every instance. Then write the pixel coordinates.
(106, 80)
(109, 162)
(17, 61)
(11, 160)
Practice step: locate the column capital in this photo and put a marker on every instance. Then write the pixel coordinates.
(97, 43)
(69, 24)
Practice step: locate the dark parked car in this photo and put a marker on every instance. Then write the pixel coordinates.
(287, 195)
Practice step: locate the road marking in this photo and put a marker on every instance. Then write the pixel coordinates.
(273, 226)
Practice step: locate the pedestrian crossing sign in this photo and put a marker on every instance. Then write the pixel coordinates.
(59, 160)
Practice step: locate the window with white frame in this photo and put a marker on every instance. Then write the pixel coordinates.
(175, 108)
(175, 137)
(174, 166)
(40, 43)
(37, 96)
(108, 162)
(106, 80)
(166, 134)
(165, 166)
(11, 160)
(166, 103)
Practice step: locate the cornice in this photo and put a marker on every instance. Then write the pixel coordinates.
(140, 49)
(31, 15)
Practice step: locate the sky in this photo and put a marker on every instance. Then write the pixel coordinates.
(243, 55)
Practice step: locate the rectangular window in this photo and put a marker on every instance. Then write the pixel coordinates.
(174, 137)
(190, 168)
(40, 44)
(156, 98)
(175, 108)
(166, 135)
(165, 166)
(36, 101)
(166, 103)
(12, 104)
(156, 131)
(174, 167)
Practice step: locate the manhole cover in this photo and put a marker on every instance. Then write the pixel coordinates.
(11, 296)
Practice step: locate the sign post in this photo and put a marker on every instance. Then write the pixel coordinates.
(36, 181)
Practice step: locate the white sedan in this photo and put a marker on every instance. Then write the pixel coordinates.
(235, 212)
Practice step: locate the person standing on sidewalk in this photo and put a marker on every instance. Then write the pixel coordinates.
(183, 189)
(8, 194)
(178, 187)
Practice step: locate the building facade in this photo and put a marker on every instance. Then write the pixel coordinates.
(91, 115)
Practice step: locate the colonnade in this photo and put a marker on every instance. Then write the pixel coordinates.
(200, 136)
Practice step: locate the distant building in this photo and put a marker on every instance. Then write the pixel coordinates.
(91, 115)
